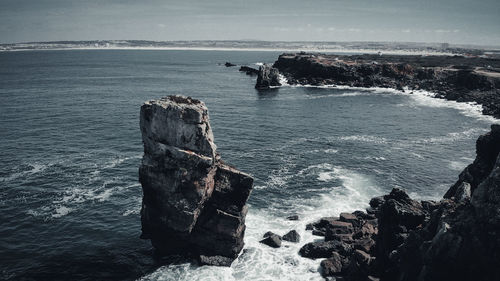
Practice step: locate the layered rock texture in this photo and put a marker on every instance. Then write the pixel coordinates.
(397, 238)
(267, 78)
(193, 203)
(464, 79)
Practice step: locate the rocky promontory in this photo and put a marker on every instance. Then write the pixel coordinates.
(460, 78)
(193, 204)
(398, 238)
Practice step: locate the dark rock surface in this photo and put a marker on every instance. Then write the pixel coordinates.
(193, 204)
(249, 70)
(292, 236)
(268, 77)
(409, 240)
(487, 147)
(271, 240)
(463, 79)
(228, 64)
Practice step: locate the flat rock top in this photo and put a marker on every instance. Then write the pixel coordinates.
(488, 64)
(178, 101)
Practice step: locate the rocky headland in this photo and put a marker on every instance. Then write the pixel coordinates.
(398, 238)
(193, 204)
(459, 78)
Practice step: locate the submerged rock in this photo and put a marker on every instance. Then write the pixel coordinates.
(228, 64)
(193, 204)
(268, 77)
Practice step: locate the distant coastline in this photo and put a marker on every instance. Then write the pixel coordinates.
(278, 46)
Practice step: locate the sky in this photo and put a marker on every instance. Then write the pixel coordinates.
(453, 21)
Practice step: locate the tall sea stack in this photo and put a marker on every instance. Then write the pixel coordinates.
(193, 204)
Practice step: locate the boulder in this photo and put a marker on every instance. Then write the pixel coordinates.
(268, 77)
(324, 249)
(272, 240)
(228, 64)
(193, 204)
(331, 266)
(292, 236)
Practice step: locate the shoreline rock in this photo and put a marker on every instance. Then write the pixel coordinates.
(249, 70)
(267, 78)
(457, 238)
(193, 203)
(457, 78)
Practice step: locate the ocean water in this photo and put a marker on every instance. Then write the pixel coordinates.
(70, 150)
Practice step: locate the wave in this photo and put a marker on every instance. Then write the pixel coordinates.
(421, 97)
(345, 190)
(364, 138)
(26, 171)
(469, 109)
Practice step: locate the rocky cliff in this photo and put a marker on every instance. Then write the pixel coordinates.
(398, 238)
(463, 79)
(193, 203)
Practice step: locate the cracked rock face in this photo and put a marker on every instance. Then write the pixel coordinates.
(193, 204)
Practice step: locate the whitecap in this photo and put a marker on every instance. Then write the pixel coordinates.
(33, 168)
(365, 138)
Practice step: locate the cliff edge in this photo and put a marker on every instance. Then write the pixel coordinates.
(193, 204)
(398, 238)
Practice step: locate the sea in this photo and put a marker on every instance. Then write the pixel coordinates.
(70, 149)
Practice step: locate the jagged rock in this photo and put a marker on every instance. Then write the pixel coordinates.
(463, 192)
(268, 77)
(292, 236)
(339, 227)
(319, 227)
(193, 204)
(271, 240)
(249, 70)
(324, 249)
(487, 146)
(215, 260)
(331, 266)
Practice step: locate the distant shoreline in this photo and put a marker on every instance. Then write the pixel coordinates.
(327, 50)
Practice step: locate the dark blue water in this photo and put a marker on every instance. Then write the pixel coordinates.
(70, 149)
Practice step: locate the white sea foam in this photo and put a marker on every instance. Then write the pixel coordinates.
(421, 97)
(348, 190)
(33, 168)
(469, 109)
(457, 165)
(75, 197)
(116, 162)
(365, 138)
(453, 136)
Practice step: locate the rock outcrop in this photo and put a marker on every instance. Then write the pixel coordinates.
(457, 78)
(249, 70)
(268, 77)
(457, 238)
(193, 203)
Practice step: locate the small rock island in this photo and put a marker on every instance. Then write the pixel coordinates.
(193, 204)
